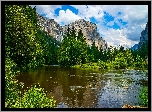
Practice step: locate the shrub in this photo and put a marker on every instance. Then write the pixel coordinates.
(101, 64)
(120, 62)
(11, 88)
(144, 96)
(14, 96)
(36, 98)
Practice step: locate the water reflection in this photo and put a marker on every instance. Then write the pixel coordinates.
(87, 88)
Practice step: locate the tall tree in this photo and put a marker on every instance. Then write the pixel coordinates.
(73, 48)
(21, 43)
(95, 52)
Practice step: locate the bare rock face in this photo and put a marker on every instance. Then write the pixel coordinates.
(51, 27)
(144, 36)
(89, 30)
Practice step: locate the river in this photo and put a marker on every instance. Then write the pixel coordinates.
(79, 88)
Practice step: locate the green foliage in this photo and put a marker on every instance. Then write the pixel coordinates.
(25, 48)
(94, 52)
(90, 55)
(73, 49)
(14, 96)
(144, 96)
(115, 58)
(50, 48)
(101, 64)
(21, 43)
(12, 90)
(143, 50)
(88, 66)
(120, 61)
(36, 98)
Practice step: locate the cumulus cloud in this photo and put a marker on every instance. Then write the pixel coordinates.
(67, 16)
(46, 9)
(118, 37)
(136, 18)
(88, 11)
(135, 15)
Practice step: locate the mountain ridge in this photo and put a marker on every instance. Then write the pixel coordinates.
(88, 28)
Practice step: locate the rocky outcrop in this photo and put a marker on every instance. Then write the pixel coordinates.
(51, 27)
(144, 36)
(89, 30)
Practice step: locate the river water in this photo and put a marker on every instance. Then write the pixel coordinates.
(79, 88)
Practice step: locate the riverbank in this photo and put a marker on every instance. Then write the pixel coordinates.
(104, 65)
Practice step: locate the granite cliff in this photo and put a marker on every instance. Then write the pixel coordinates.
(144, 36)
(89, 30)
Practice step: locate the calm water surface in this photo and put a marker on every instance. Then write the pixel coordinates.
(73, 87)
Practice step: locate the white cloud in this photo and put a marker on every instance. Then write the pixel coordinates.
(111, 23)
(64, 16)
(67, 16)
(88, 11)
(46, 9)
(117, 37)
(136, 16)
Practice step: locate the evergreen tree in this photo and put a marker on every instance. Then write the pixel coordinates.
(95, 52)
(73, 48)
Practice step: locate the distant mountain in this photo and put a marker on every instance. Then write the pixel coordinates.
(88, 28)
(135, 47)
(143, 38)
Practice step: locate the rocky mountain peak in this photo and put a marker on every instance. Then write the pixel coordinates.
(89, 30)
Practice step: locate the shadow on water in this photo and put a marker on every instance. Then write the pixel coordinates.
(73, 87)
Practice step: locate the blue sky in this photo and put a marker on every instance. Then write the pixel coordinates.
(117, 24)
(65, 7)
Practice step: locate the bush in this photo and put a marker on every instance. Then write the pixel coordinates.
(12, 90)
(36, 98)
(120, 62)
(144, 96)
(101, 64)
(14, 96)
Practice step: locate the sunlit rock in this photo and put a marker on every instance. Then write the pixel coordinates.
(89, 30)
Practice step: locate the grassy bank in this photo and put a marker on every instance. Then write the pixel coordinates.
(112, 65)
